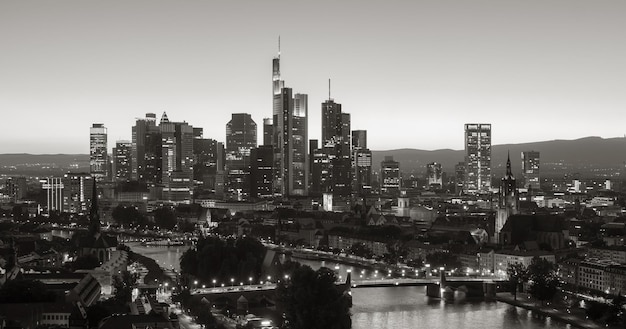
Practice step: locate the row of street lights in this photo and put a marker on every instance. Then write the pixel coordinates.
(232, 282)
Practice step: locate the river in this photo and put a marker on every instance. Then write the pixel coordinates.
(400, 307)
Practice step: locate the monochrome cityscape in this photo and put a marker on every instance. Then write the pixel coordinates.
(177, 225)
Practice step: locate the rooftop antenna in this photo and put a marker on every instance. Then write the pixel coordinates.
(329, 89)
(279, 46)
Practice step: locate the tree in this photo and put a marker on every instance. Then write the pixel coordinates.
(359, 249)
(25, 291)
(311, 299)
(443, 259)
(517, 274)
(542, 278)
(165, 218)
(126, 215)
(97, 312)
(123, 284)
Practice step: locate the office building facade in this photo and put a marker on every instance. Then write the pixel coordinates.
(98, 159)
(477, 158)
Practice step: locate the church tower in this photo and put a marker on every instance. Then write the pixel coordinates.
(508, 200)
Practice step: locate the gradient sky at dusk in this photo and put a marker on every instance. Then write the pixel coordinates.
(410, 72)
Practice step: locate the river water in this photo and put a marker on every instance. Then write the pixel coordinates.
(400, 307)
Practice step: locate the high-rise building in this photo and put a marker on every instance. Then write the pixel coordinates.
(268, 131)
(261, 171)
(361, 163)
(54, 193)
(176, 160)
(15, 187)
(477, 158)
(77, 191)
(434, 174)
(204, 160)
(288, 134)
(146, 151)
(98, 151)
(390, 177)
(530, 170)
(241, 137)
(335, 151)
(122, 160)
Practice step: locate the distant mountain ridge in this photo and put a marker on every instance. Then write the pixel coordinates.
(597, 151)
(587, 151)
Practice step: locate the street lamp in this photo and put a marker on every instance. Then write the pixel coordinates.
(250, 280)
(213, 283)
(232, 281)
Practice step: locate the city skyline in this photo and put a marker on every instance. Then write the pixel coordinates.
(535, 71)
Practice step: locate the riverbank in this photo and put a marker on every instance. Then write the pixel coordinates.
(575, 320)
(155, 272)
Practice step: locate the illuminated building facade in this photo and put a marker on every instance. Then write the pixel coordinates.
(98, 151)
(241, 137)
(530, 169)
(390, 177)
(176, 160)
(477, 158)
(122, 160)
(361, 163)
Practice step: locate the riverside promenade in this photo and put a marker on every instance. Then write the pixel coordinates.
(576, 318)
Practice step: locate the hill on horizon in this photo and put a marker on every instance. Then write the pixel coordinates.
(587, 151)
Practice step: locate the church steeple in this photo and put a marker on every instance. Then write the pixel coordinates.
(94, 215)
(509, 173)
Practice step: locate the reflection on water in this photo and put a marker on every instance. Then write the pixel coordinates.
(408, 307)
(166, 257)
(398, 307)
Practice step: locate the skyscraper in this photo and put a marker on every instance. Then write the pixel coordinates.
(122, 160)
(268, 131)
(289, 135)
(176, 160)
(477, 158)
(530, 170)
(335, 148)
(146, 151)
(98, 151)
(390, 177)
(204, 160)
(261, 171)
(361, 163)
(241, 137)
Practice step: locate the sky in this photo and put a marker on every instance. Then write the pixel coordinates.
(411, 73)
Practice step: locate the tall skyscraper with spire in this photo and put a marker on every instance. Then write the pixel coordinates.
(289, 136)
(98, 159)
(334, 156)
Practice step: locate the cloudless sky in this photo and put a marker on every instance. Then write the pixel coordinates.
(409, 72)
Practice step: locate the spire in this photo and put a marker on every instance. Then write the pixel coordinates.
(329, 89)
(279, 46)
(508, 165)
(94, 216)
